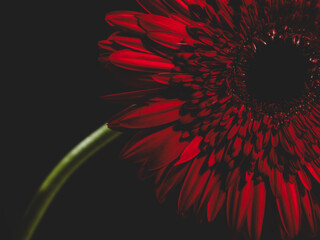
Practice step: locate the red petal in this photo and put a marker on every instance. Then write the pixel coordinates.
(237, 146)
(226, 12)
(314, 170)
(307, 207)
(165, 78)
(216, 198)
(263, 166)
(266, 138)
(256, 125)
(243, 129)
(157, 149)
(191, 151)
(276, 181)
(125, 20)
(169, 40)
(290, 133)
(273, 157)
(182, 77)
(193, 185)
(170, 180)
(212, 159)
(138, 61)
(154, 23)
(304, 179)
(154, 114)
(180, 5)
(237, 204)
(284, 142)
(247, 148)
(256, 211)
(133, 43)
(259, 141)
(274, 139)
(130, 97)
(232, 177)
(154, 7)
(288, 204)
(233, 131)
(316, 207)
(107, 45)
(187, 8)
(207, 192)
(219, 154)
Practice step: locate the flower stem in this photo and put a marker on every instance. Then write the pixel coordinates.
(59, 175)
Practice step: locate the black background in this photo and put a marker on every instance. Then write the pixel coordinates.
(50, 102)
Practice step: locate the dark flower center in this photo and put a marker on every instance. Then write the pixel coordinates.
(277, 72)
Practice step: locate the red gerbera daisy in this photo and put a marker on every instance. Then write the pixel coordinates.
(227, 106)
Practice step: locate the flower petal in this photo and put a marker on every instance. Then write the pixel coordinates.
(196, 10)
(276, 181)
(134, 43)
(191, 151)
(154, 114)
(130, 97)
(238, 199)
(216, 198)
(305, 179)
(169, 40)
(154, 7)
(288, 204)
(193, 185)
(314, 170)
(125, 20)
(157, 150)
(138, 61)
(154, 23)
(308, 210)
(170, 180)
(225, 13)
(256, 211)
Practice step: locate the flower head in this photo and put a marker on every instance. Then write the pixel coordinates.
(227, 106)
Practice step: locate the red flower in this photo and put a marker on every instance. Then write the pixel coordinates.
(227, 107)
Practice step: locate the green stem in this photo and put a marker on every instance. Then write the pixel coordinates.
(60, 174)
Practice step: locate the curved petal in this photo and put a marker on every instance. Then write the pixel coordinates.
(154, 23)
(309, 212)
(169, 40)
(314, 170)
(124, 20)
(138, 61)
(154, 7)
(238, 199)
(154, 114)
(191, 151)
(156, 150)
(256, 211)
(216, 199)
(130, 97)
(276, 182)
(304, 178)
(288, 204)
(171, 179)
(127, 41)
(193, 185)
